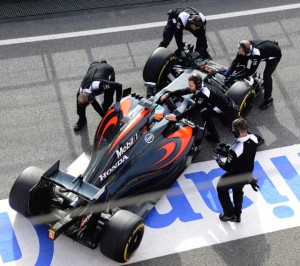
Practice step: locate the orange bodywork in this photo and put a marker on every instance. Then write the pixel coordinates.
(185, 135)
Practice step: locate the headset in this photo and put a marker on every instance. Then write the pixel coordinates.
(239, 123)
(197, 79)
(245, 47)
(195, 20)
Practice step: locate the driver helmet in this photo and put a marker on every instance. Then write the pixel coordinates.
(159, 112)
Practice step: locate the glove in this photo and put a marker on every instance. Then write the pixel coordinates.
(227, 73)
(253, 183)
(222, 149)
(178, 52)
(117, 107)
(217, 158)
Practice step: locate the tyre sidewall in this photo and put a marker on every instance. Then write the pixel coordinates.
(120, 232)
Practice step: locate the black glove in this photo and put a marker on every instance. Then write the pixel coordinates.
(217, 158)
(178, 52)
(222, 149)
(253, 183)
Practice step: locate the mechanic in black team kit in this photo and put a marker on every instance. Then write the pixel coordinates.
(205, 100)
(239, 166)
(100, 78)
(258, 51)
(186, 19)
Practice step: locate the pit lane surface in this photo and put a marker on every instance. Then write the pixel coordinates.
(39, 83)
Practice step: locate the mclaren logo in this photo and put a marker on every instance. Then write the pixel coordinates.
(149, 138)
(127, 145)
(113, 168)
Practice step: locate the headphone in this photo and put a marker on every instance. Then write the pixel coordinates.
(243, 45)
(197, 79)
(196, 20)
(91, 97)
(236, 124)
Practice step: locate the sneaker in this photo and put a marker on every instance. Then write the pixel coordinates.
(80, 124)
(225, 218)
(266, 104)
(237, 219)
(212, 138)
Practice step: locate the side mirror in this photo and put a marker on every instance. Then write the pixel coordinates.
(151, 89)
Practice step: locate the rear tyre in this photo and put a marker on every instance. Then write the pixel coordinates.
(19, 196)
(158, 66)
(243, 95)
(122, 236)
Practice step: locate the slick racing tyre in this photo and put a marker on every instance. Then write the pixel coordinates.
(158, 66)
(19, 196)
(243, 95)
(122, 236)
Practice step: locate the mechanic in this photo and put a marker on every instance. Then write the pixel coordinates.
(100, 78)
(205, 101)
(257, 51)
(186, 19)
(239, 166)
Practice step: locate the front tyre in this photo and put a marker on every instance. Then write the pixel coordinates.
(122, 236)
(158, 66)
(247, 103)
(243, 95)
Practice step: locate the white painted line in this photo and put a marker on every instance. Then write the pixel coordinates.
(140, 26)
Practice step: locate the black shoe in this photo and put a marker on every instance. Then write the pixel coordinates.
(212, 138)
(237, 219)
(225, 218)
(266, 104)
(80, 124)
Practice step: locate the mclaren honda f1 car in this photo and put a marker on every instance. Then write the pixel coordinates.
(164, 67)
(135, 152)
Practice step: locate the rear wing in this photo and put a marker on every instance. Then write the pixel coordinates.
(72, 184)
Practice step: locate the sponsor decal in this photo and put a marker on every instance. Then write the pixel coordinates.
(113, 168)
(127, 145)
(149, 138)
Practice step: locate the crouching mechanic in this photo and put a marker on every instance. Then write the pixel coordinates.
(100, 78)
(205, 100)
(186, 19)
(239, 166)
(257, 51)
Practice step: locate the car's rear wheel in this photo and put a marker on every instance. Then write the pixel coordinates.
(122, 236)
(159, 66)
(20, 193)
(243, 95)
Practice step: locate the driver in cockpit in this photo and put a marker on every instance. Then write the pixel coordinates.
(205, 101)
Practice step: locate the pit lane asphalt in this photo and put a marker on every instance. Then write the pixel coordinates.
(39, 83)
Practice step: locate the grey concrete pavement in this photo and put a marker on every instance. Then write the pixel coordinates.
(39, 82)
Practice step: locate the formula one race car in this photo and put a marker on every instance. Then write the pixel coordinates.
(164, 67)
(134, 151)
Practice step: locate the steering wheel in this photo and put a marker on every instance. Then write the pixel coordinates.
(170, 104)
